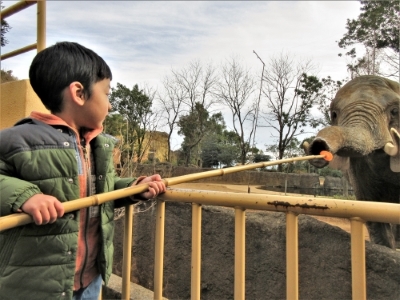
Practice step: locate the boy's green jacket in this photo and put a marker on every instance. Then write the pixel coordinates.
(38, 262)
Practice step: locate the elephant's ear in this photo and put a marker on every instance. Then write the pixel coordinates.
(395, 159)
(340, 163)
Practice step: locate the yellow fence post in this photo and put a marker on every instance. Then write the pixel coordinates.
(159, 251)
(240, 253)
(41, 25)
(126, 260)
(196, 252)
(292, 256)
(359, 286)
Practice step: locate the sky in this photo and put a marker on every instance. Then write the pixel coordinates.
(143, 40)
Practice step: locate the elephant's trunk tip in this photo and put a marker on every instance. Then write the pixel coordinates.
(319, 145)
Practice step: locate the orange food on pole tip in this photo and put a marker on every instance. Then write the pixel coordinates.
(327, 155)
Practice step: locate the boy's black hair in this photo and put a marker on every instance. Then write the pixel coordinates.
(56, 67)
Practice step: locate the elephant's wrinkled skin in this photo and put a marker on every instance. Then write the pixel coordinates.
(364, 138)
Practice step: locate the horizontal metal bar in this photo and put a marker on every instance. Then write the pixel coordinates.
(368, 211)
(9, 11)
(19, 51)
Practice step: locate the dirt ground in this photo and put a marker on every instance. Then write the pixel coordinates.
(231, 188)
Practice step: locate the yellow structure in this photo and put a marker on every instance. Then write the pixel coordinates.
(17, 101)
(40, 22)
(17, 98)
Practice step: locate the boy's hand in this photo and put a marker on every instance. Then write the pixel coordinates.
(156, 186)
(44, 209)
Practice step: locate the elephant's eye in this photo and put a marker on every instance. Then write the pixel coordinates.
(333, 116)
(394, 112)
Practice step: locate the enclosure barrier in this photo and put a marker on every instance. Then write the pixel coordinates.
(41, 26)
(357, 211)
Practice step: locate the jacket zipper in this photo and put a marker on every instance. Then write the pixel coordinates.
(87, 217)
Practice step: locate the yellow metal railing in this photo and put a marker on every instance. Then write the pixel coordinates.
(41, 26)
(357, 211)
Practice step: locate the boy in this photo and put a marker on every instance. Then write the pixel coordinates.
(47, 159)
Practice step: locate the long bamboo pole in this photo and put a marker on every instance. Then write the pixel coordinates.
(19, 219)
(221, 172)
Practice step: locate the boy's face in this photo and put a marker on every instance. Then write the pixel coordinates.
(96, 108)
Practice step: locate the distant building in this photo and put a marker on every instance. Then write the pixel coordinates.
(156, 143)
(156, 150)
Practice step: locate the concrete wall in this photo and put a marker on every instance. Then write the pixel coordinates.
(17, 101)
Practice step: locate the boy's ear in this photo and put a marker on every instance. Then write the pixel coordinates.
(76, 93)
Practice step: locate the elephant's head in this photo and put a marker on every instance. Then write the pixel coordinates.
(365, 119)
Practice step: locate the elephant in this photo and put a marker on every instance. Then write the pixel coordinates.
(364, 140)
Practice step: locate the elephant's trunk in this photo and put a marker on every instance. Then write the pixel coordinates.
(342, 141)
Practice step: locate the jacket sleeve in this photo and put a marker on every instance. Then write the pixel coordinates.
(13, 193)
(121, 183)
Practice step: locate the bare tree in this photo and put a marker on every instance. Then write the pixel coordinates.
(390, 61)
(148, 124)
(259, 99)
(171, 102)
(369, 64)
(289, 94)
(236, 91)
(184, 90)
(197, 82)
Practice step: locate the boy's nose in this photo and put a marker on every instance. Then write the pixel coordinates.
(109, 106)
